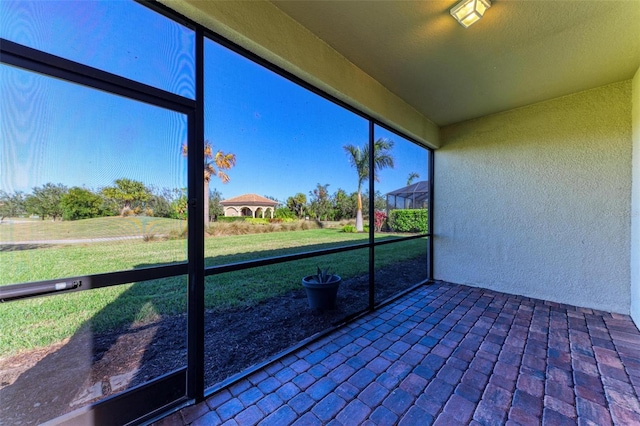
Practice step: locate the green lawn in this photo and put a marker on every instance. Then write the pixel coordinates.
(42, 321)
(104, 227)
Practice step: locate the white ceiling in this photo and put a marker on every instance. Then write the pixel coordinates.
(521, 52)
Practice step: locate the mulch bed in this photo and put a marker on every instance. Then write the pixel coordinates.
(43, 384)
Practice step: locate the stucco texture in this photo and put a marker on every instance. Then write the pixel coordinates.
(536, 201)
(635, 203)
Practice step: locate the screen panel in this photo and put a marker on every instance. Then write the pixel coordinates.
(253, 314)
(91, 182)
(402, 189)
(62, 353)
(399, 266)
(291, 179)
(107, 35)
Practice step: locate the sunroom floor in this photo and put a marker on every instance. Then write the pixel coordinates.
(447, 354)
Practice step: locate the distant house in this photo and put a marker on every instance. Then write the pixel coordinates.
(249, 205)
(415, 196)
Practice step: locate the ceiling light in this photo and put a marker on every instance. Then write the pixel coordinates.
(467, 12)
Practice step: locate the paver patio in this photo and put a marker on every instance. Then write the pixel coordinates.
(447, 354)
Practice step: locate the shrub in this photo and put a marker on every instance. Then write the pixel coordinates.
(238, 228)
(349, 228)
(274, 227)
(126, 212)
(309, 224)
(284, 213)
(408, 220)
(257, 220)
(178, 235)
(259, 227)
(231, 219)
(380, 218)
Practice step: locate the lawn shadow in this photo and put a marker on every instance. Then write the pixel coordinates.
(6, 247)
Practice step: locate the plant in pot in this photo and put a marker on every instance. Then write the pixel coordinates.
(321, 289)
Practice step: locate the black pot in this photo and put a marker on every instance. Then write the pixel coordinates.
(321, 296)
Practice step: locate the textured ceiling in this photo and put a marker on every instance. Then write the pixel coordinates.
(521, 52)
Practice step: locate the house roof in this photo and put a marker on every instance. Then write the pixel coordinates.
(421, 188)
(249, 199)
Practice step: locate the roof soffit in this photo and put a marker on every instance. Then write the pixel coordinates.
(520, 53)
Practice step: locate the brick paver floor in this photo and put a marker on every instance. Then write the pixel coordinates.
(447, 354)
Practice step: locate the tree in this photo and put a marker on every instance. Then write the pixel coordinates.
(379, 202)
(284, 213)
(179, 206)
(128, 194)
(11, 205)
(359, 159)
(80, 203)
(298, 204)
(214, 165)
(344, 205)
(412, 176)
(45, 200)
(215, 208)
(320, 201)
(159, 202)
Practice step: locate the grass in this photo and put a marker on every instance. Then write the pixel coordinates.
(104, 227)
(42, 321)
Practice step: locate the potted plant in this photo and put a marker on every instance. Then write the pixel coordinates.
(321, 289)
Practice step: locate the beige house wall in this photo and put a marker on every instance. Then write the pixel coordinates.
(536, 201)
(265, 30)
(635, 203)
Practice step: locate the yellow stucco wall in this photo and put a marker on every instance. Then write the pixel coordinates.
(536, 201)
(635, 203)
(265, 30)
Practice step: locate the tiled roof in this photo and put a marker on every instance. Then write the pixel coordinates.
(252, 199)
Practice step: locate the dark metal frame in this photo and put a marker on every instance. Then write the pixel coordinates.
(186, 385)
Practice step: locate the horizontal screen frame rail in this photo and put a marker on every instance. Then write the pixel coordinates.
(30, 59)
(239, 266)
(13, 292)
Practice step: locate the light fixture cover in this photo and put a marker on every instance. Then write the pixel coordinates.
(468, 12)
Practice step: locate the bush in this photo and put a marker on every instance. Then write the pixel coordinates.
(380, 219)
(257, 221)
(231, 219)
(178, 235)
(408, 220)
(127, 212)
(284, 213)
(258, 227)
(149, 236)
(349, 228)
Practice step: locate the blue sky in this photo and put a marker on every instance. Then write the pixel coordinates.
(286, 138)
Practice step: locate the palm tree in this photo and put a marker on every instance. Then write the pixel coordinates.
(214, 165)
(412, 177)
(359, 158)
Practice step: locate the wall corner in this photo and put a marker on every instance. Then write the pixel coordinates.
(635, 202)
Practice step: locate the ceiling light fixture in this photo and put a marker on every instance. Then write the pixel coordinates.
(467, 12)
